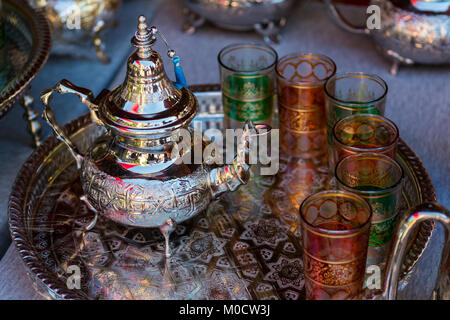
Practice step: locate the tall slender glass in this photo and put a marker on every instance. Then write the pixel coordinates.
(364, 133)
(248, 83)
(352, 93)
(335, 229)
(378, 179)
(301, 103)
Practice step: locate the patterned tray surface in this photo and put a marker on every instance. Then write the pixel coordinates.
(245, 246)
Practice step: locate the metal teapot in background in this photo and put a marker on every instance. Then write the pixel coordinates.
(408, 34)
(130, 173)
(266, 17)
(76, 21)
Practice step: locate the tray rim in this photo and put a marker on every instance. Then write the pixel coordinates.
(19, 194)
(41, 44)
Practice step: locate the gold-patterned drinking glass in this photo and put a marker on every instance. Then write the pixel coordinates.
(378, 179)
(364, 133)
(301, 103)
(335, 229)
(352, 93)
(248, 83)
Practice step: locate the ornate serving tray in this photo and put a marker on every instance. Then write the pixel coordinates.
(28, 44)
(245, 246)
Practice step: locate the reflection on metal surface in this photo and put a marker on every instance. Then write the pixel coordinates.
(31, 116)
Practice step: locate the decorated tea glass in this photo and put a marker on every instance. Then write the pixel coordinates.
(378, 179)
(352, 93)
(248, 83)
(301, 102)
(364, 133)
(335, 229)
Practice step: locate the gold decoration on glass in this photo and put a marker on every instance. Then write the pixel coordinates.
(247, 78)
(335, 231)
(301, 105)
(364, 133)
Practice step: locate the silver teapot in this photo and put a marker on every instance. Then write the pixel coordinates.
(407, 34)
(133, 173)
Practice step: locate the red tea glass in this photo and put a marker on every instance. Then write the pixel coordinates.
(335, 231)
(364, 133)
(301, 103)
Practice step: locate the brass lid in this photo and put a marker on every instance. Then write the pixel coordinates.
(147, 103)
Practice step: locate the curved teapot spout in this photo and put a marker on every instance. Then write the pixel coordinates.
(230, 176)
(423, 212)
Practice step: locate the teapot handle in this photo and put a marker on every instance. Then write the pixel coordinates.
(423, 212)
(86, 96)
(341, 21)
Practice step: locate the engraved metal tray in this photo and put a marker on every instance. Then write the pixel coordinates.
(28, 44)
(245, 246)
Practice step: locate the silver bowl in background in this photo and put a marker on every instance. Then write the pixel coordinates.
(266, 17)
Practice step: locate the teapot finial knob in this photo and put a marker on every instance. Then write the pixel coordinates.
(144, 37)
(142, 26)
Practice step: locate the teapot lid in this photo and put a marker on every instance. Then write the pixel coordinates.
(147, 103)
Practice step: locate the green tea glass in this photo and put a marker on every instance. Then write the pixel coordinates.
(352, 93)
(378, 179)
(248, 83)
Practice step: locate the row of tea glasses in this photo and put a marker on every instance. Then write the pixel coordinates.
(318, 108)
